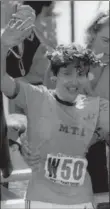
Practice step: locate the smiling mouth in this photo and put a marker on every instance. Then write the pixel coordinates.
(72, 89)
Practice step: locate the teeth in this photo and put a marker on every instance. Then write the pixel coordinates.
(72, 88)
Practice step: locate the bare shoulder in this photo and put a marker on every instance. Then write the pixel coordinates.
(38, 88)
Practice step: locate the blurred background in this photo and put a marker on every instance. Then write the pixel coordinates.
(74, 18)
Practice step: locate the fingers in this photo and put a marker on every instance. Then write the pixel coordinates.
(28, 153)
(25, 8)
(21, 25)
(23, 15)
(26, 24)
(24, 12)
(24, 18)
(19, 30)
(31, 160)
(14, 24)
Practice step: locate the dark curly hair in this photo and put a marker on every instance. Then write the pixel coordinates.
(82, 57)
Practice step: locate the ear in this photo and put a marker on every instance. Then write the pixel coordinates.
(53, 79)
(49, 56)
(90, 76)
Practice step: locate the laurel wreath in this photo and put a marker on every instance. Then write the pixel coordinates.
(64, 55)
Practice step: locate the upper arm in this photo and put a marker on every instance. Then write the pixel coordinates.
(103, 120)
(104, 114)
(28, 95)
(8, 85)
(22, 93)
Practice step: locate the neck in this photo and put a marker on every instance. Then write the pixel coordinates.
(64, 101)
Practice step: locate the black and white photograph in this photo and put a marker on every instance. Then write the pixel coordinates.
(54, 104)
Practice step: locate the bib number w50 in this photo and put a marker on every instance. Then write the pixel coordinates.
(65, 170)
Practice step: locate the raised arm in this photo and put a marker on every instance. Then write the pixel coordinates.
(8, 85)
(103, 131)
(18, 29)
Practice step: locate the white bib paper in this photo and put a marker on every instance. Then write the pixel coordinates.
(65, 170)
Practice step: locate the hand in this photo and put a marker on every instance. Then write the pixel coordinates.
(15, 32)
(18, 28)
(23, 12)
(31, 159)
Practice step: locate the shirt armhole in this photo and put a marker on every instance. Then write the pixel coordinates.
(16, 92)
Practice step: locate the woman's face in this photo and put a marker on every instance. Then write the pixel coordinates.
(101, 43)
(70, 83)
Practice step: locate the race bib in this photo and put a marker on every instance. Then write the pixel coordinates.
(65, 170)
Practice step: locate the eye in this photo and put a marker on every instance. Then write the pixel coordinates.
(106, 40)
(15, 129)
(80, 74)
(67, 73)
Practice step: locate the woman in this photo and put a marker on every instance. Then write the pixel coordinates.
(61, 176)
(97, 37)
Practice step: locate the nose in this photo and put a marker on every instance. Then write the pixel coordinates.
(73, 80)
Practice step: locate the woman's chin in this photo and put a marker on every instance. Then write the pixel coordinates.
(72, 97)
(106, 59)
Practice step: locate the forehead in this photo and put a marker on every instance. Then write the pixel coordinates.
(69, 68)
